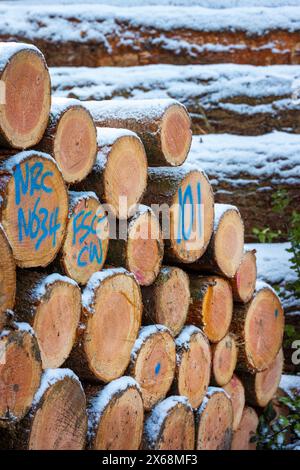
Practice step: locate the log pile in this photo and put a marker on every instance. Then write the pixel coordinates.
(116, 325)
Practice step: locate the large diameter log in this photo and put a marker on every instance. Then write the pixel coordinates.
(167, 300)
(224, 359)
(225, 249)
(244, 280)
(211, 305)
(163, 126)
(138, 246)
(259, 326)
(242, 437)
(185, 201)
(110, 321)
(119, 176)
(115, 415)
(170, 426)
(193, 365)
(51, 304)
(236, 391)
(152, 363)
(7, 276)
(85, 245)
(20, 372)
(33, 207)
(70, 138)
(25, 95)
(260, 388)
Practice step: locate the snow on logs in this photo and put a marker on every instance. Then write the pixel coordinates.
(246, 431)
(33, 207)
(244, 280)
(7, 276)
(236, 392)
(224, 359)
(24, 95)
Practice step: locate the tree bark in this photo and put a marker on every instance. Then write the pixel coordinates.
(7, 276)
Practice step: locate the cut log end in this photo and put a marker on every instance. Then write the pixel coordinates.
(224, 359)
(24, 117)
(7, 276)
(247, 428)
(214, 419)
(176, 135)
(243, 283)
(236, 391)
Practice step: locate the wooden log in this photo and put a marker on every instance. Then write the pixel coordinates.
(25, 95)
(167, 300)
(20, 372)
(70, 138)
(170, 426)
(236, 391)
(225, 249)
(185, 201)
(7, 276)
(139, 246)
(51, 304)
(119, 176)
(242, 437)
(110, 321)
(162, 125)
(224, 359)
(85, 245)
(214, 421)
(193, 365)
(116, 415)
(33, 207)
(211, 305)
(259, 326)
(244, 280)
(152, 363)
(260, 388)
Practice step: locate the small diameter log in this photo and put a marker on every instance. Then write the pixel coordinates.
(224, 360)
(244, 280)
(164, 126)
(167, 300)
(20, 372)
(70, 138)
(247, 428)
(33, 207)
(236, 391)
(7, 276)
(170, 426)
(152, 363)
(260, 388)
(139, 247)
(214, 421)
(25, 95)
(193, 365)
(85, 246)
(110, 321)
(57, 419)
(185, 202)
(52, 305)
(119, 176)
(211, 306)
(259, 327)
(225, 249)
(116, 415)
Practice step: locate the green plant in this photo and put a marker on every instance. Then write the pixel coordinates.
(266, 235)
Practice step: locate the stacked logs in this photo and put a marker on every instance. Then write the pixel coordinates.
(122, 326)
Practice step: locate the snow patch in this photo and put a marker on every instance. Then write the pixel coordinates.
(144, 334)
(51, 377)
(41, 288)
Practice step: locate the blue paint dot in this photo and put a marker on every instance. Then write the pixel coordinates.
(157, 368)
(276, 313)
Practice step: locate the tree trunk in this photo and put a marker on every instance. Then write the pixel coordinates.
(166, 302)
(211, 306)
(110, 321)
(236, 391)
(214, 421)
(185, 203)
(244, 280)
(224, 360)
(170, 426)
(70, 138)
(51, 305)
(138, 246)
(152, 363)
(85, 245)
(7, 276)
(162, 125)
(33, 207)
(259, 326)
(116, 415)
(193, 365)
(246, 430)
(24, 95)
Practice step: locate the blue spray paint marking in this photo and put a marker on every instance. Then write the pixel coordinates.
(82, 229)
(157, 368)
(186, 202)
(276, 313)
